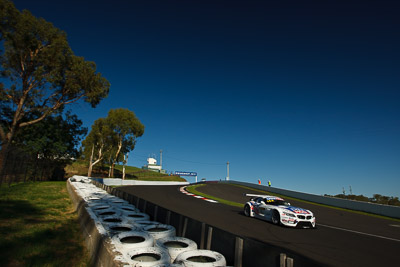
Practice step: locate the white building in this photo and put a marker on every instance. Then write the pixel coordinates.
(152, 166)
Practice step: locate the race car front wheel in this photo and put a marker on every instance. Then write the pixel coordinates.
(247, 210)
(275, 217)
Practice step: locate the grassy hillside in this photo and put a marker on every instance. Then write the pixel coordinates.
(133, 173)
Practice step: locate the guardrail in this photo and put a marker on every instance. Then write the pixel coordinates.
(119, 181)
(238, 250)
(379, 209)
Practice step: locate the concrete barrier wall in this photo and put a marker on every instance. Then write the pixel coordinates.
(101, 251)
(119, 182)
(252, 252)
(385, 210)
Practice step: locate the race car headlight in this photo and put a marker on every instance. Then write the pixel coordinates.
(288, 214)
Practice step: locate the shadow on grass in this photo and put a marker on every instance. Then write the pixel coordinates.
(12, 210)
(28, 237)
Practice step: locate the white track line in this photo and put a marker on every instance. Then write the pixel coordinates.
(361, 233)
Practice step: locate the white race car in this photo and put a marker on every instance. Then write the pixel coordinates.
(278, 211)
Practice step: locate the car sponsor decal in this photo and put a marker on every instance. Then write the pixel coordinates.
(297, 210)
(272, 199)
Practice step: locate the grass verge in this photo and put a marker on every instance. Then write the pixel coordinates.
(192, 189)
(39, 227)
(80, 167)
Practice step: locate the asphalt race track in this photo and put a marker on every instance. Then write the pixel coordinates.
(341, 239)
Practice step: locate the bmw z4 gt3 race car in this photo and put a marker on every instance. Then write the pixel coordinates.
(278, 211)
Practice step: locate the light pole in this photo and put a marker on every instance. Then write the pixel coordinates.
(161, 158)
(227, 171)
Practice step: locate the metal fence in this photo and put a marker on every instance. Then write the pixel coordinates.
(23, 167)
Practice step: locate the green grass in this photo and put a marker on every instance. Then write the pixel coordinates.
(192, 189)
(133, 173)
(146, 175)
(39, 227)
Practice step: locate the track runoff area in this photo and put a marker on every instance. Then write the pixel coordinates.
(342, 238)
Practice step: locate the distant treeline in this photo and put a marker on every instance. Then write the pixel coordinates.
(379, 199)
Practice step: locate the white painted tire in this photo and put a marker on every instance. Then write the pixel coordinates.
(94, 203)
(117, 201)
(132, 240)
(124, 208)
(75, 179)
(136, 216)
(105, 220)
(158, 230)
(150, 256)
(99, 206)
(169, 265)
(86, 181)
(144, 223)
(200, 258)
(92, 199)
(176, 245)
(118, 228)
(110, 198)
(107, 212)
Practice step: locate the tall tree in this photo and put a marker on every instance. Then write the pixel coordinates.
(127, 128)
(111, 138)
(97, 143)
(40, 73)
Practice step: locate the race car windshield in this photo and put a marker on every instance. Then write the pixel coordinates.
(277, 202)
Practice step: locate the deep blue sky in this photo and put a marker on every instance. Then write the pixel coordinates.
(303, 93)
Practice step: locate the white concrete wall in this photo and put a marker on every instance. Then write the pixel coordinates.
(117, 181)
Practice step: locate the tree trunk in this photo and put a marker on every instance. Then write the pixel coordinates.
(91, 163)
(123, 168)
(111, 173)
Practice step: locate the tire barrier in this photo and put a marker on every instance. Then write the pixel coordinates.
(200, 258)
(136, 216)
(106, 212)
(176, 245)
(99, 206)
(126, 208)
(143, 223)
(117, 228)
(158, 231)
(93, 199)
(149, 256)
(118, 201)
(132, 240)
(140, 241)
(109, 199)
(112, 219)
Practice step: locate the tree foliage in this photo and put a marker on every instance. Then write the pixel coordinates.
(55, 137)
(96, 143)
(377, 198)
(126, 128)
(40, 73)
(111, 138)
